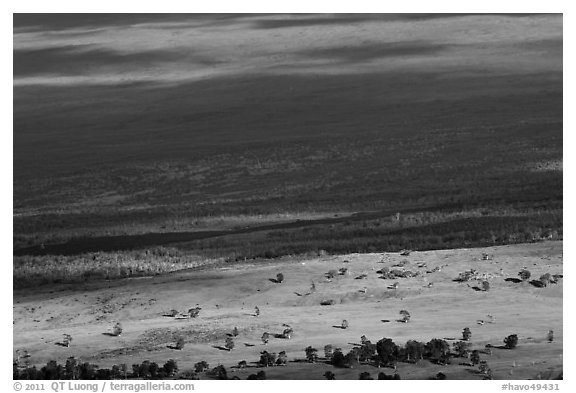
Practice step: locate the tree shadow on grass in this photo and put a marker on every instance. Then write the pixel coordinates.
(173, 347)
(109, 334)
(338, 327)
(221, 348)
(61, 345)
(513, 279)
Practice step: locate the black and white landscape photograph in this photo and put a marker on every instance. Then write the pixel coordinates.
(350, 196)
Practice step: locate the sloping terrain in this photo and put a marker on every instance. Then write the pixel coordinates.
(229, 295)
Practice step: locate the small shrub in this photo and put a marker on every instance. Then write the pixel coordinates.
(256, 311)
(279, 278)
(331, 274)
(329, 302)
(485, 286)
(550, 336)
(260, 375)
(242, 364)
(365, 376)
(235, 332)
(219, 372)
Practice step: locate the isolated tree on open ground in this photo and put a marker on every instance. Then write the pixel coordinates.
(265, 338)
(67, 340)
(180, 343)
(229, 343)
(344, 324)
(256, 311)
(287, 333)
(511, 341)
(485, 286)
(524, 274)
(279, 278)
(329, 375)
(235, 331)
(405, 316)
(466, 334)
(117, 331)
(550, 336)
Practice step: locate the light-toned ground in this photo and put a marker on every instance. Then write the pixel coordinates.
(228, 297)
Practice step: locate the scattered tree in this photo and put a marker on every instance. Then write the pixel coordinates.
(331, 274)
(260, 375)
(117, 331)
(219, 372)
(524, 274)
(438, 351)
(67, 340)
(282, 358)
(328, 351)
(242, 364)
(235, 331)
(475, 357)
(201, 366)
(405, 316)
(485, 286)
(267, 359)
(265, 338)
(344, 324)
(545, 279)
(170, 368)
(311, 354)
(229, 343)
(387, 352)
(466, 334)
(511, 341)
(414, 351)
(461, 348)
(329, 375)
(256, 311)
(550, 336)
(194, 312)
(279, 278)
(287, 333)
(365, 376)
(180, 343)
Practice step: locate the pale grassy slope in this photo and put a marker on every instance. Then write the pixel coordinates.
(228, 296)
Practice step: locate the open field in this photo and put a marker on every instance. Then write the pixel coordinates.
(228, 296)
